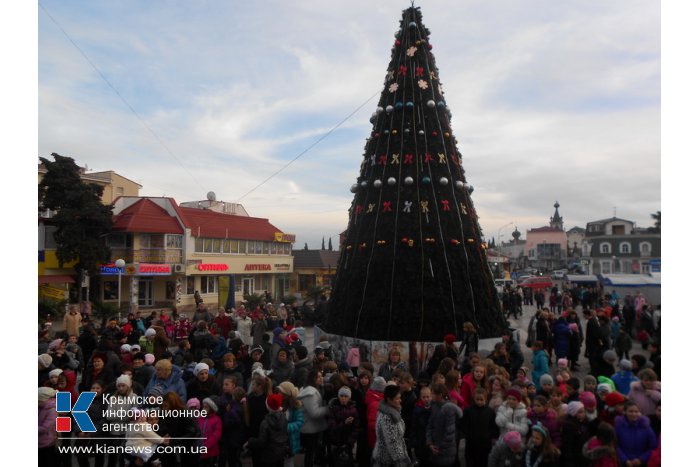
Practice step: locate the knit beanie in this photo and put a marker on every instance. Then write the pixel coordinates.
(625, 365)
(378, 384)
(274, 402)
(55, 372)
(604, 387)
(609, 356)
(288, 389)
(606, 380)
(613, 399)
(193, 403)
(136, 348)
(344, 391)
(514, 393)
(45, 360)
(149, 358)
(201, 367)
(125, 348)
(46, 393)
(546, 379)
(588, 399)
(562, 363)
(512, 439)
(124, 379)
(150, 332)
(210, 402)
(55, 344)
(573, 407)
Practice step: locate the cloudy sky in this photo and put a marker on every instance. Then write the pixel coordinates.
(550, 101)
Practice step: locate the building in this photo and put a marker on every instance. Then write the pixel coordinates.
(173, 251)
(313, 268)
(546, 247)
(574, 240)
(56, 282)
(514, 250)
(614, 246)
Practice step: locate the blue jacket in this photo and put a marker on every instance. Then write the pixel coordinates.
(294, 423)
(635, 440)
(623, 379)
(173, 383)
(562, 334)
(540, 366)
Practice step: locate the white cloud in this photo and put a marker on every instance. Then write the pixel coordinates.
(550, 101)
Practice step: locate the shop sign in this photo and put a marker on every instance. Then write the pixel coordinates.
(285, 237)
(282, 267)
(110, 270)
(258, 267)
(147, 269)
(212, 267)
(52, 292)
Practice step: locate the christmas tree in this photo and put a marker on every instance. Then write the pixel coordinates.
(413, 266)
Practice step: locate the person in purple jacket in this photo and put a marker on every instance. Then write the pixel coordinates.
(635, 438)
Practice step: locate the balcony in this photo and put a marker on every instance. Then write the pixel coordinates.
(145, 255)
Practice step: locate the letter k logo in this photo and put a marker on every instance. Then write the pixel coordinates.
(79, 412)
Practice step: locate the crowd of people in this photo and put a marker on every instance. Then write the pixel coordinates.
(266, 397)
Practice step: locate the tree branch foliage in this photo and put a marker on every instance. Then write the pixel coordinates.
(82, 221)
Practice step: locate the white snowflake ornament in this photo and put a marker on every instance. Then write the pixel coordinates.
(393, 87)
(422, 84)
(411, 51)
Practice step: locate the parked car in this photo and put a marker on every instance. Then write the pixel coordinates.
(523, 277)
(559, 273)
(537, 282)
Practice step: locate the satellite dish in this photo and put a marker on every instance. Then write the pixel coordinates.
(211, 196)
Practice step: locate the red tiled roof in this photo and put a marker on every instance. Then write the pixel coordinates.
(205, 223)
(146, 216)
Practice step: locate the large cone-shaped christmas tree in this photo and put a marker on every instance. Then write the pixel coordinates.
(413, 266)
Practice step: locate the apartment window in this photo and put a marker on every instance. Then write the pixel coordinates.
(119, 191)
(618, 229)
(605, 248)
(306, 281)
(174, 241)
(605, 267)
(625, 248)
(115, 240)
(645, 248)
(266, 248)
(199, 244)
(216, 245)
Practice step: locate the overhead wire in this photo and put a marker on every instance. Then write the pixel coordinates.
(121, 97)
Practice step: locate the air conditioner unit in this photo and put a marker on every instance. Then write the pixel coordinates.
(179, 268)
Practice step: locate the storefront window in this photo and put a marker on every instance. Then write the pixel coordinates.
(216, 245)
(170, 290)
(235, 246)
(208, 284)
(190, 285)
(110, 290)
(266, 248)
(208, 245)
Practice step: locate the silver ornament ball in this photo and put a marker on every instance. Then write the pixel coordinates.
(408, 181)
(377, 183)
(391, 181)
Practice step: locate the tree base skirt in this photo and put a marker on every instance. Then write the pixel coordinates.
(416, 354)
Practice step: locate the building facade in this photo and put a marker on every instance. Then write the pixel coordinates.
(313, 268)
(614, 246)
(171, 252)
(545, 247)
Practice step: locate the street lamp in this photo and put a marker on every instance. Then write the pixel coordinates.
(120, 263)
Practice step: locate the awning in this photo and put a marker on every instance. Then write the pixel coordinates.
(58, 279)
